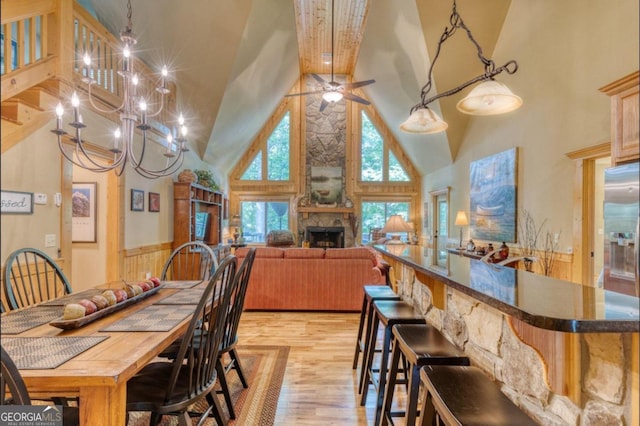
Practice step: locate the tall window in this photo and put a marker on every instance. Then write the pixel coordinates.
(260, 217)
(275, 163)
(376, 214)
(373, 167)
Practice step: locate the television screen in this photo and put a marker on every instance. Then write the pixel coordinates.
(203, 223)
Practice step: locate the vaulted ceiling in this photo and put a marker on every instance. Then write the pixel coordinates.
(235, 60)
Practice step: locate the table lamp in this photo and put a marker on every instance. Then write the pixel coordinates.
(395, 224)
(235, 221)
(461, 220)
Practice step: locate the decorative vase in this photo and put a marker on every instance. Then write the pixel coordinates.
(187, 176)
(504, 251)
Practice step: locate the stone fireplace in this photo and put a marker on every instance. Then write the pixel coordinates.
(325, 237)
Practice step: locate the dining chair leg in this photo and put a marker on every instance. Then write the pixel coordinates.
(235, 359)
(222, 379)
(216, 411)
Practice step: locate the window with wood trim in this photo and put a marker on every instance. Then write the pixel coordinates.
(258, 217)
(378, 162)
(376, 213)
(272, 162)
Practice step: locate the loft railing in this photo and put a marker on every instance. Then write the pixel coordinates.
(44, 39)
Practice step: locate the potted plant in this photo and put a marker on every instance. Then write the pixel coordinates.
(205, 178)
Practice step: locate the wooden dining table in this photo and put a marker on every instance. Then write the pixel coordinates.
(99, 375)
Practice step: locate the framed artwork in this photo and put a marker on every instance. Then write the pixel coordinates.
(15, 202)
(137, 200)
(84, 203)
(154, 202)
(326, 185)
(493, 197)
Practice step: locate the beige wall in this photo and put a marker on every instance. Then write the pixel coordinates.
(566, 50)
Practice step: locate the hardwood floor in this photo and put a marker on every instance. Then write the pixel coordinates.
(319, 387)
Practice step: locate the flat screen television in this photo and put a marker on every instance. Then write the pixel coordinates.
(203, 225)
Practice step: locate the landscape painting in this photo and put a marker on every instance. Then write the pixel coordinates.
(326, 185)
(493, 203)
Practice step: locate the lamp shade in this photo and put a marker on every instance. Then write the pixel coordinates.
(396, 224)
(424, 121)
(235, 221)
(489, 98)
(461, 219)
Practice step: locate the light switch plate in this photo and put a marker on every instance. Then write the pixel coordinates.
(50, 240)
(40, 198)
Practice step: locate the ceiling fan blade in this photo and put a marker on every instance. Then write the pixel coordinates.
(358, 84)
(323, 105)
(355, 98)
(319, 79)
(304, 93)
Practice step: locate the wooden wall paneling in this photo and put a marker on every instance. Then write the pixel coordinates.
(140, 260)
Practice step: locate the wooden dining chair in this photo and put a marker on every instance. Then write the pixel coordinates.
(31, 277)
(230, 338)
(13, 391)
(172, 387)
(193, 260)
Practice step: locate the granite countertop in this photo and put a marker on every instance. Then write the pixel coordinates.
(535, 299)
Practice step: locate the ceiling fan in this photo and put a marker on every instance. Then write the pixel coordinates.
(332, 91)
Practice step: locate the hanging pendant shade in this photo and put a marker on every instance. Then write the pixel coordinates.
(489, 98)
(424, 121)
(332, 96)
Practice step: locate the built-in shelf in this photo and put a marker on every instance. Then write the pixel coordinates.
(344, 210)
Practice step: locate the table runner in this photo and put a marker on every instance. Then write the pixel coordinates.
(73, 297)
(19, 321)
(152, 318)
(34, 353)
(184, 297)
(180, 284)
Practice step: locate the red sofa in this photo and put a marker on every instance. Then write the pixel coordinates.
(311, 279)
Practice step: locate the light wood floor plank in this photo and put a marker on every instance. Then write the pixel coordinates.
(319, 386)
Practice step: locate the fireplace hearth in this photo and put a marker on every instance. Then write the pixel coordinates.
(325, 237)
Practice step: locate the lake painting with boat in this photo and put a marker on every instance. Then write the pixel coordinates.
(493, 197)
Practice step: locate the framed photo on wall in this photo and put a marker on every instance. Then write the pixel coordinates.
(154, 202)
(84, 204)
(137, 200)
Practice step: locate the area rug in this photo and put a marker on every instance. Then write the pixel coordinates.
(264, 368)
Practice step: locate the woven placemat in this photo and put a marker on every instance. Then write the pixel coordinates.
(34, 353)
(153, 318)
(184, 297)
(73, 297)
(19, 321)
(180, 284)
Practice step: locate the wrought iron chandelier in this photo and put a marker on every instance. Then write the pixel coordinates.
(133, 113)
(488, 98)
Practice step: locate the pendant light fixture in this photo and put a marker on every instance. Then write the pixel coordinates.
(332, 96)
(488, 98)
(134, 114)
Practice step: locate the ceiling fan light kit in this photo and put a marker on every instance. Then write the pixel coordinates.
(488, 98)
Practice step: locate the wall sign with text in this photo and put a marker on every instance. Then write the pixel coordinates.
(16, 202)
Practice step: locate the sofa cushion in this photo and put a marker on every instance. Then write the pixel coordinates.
(263, 252)
(352, 253)
(304, 253)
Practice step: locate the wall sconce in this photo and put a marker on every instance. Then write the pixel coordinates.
(488, 98)
(395, 223)
(461, 221)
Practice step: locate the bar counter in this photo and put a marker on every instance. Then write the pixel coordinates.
(534, 299)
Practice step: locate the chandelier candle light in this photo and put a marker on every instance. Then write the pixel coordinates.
(133, 114)
(488, 98)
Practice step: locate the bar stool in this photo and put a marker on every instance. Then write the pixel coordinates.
(389, 313)
(466, 396)
(420, 345)
(371, 293)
